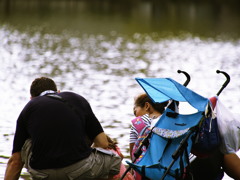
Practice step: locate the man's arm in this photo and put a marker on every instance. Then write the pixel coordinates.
(231, 164)
(14, 167)
(101, 141)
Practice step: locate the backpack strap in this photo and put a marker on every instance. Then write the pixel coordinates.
(143, 172)
(142, 139)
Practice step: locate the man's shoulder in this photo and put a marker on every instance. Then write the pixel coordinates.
(69, 95)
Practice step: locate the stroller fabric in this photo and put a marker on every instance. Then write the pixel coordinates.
(167, 138)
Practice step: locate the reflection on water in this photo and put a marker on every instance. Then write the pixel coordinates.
(97, 49)
(102, 68)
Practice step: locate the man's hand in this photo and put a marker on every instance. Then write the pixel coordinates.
(101, 141)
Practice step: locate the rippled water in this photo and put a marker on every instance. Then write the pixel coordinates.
(102, 68)
(96, 50)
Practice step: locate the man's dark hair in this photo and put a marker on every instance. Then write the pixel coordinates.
(42, 84)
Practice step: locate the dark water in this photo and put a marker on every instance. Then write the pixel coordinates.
(97, 48)
(209, 18)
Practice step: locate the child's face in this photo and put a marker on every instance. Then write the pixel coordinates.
(139, 111)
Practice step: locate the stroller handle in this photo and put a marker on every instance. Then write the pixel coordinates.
(187, 76)
(225, 83)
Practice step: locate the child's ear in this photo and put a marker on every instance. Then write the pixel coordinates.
(147, 106)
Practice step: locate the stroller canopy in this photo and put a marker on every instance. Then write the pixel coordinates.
(164, 89)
